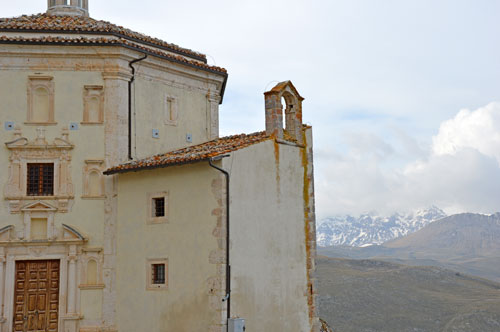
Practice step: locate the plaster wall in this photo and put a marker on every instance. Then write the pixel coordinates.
(192, 115)
(86, 215)
(73, 67)
(268, 241)
(186, 240)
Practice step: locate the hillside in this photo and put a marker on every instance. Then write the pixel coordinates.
(467, 243)
(375, 296)
(462, 234)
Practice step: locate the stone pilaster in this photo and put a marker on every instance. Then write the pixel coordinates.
(116, 152)
(213, 110)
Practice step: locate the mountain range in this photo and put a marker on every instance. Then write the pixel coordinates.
(467, 243)
(442, 285)
(371, 229)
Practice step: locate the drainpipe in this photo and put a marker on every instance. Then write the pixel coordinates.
(228, 266)
(130, 105)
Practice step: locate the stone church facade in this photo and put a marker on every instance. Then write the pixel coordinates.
(123, 209)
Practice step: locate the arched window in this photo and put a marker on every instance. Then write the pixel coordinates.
(92, 272)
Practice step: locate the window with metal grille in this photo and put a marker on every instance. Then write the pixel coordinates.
(158, 274)
(40, 180)
(159, 207)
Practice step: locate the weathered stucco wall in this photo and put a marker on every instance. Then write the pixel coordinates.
(87, 215)
(186, 240)
(190, 105)
(72, 68)
(268, 242)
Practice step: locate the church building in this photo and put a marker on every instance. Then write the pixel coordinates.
(123, 210)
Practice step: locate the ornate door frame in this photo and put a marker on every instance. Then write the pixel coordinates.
(68, 254)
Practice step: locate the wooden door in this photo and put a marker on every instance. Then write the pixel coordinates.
(36, 296)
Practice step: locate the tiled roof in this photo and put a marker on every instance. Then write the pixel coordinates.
(109, 41)
(82, 24)
(192, 154)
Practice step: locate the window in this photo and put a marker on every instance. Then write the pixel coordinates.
(157, 273)
(157, 207)
(40, 180)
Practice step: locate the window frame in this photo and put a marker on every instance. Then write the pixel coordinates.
(150, 263)
(40, 179)
(151, 208)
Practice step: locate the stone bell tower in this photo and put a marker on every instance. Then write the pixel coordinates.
(68, 7)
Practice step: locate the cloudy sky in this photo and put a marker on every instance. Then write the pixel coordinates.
(403, 95)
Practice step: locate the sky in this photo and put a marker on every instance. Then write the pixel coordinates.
(403, 95)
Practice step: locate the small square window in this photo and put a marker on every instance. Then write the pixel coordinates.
(40, 180)
(157, 207)
(157, 270)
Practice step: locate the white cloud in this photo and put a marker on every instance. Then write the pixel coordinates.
(460, 172)
(479, 129)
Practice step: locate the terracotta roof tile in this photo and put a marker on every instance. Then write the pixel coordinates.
(82, 24)
(110, 42)
(192, 154)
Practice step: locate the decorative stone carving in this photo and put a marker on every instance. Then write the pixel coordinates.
(91, 273)
(40, 100)
(24, 151)
(39, 210)
(93, 104)
(93, 180)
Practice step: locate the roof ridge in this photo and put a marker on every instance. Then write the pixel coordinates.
(112, 41)
(192, 154)
(47, 22)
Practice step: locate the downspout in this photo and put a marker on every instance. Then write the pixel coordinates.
(228, 266)
(130, 105)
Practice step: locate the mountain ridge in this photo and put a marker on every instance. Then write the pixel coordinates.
(371, 229)
(467, 243)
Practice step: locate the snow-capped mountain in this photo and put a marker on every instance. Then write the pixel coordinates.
(370, 229)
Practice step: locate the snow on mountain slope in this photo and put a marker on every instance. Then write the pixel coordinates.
(370, 229)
